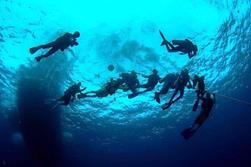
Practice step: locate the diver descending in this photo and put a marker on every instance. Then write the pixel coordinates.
(183, 46)
(208, 101)
(61, 43)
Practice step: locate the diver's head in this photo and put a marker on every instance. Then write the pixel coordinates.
(76, 34)
(155, 71)
(133, 72)
(202, 78)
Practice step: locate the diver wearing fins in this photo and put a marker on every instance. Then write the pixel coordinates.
(183, 46)
(60, 43)
(208, 101)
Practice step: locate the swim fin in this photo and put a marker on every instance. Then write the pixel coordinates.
(188, 133)
(38, 58)
(81, 95)
(34, 50)
(130, 96)
(164, 38)
(55, 106)
(166, 106)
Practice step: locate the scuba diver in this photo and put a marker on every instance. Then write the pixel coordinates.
(153, 80)
(199, 85)
(169, 81)
(108, 89)
(206, 107)
(60, 43)
(130, 81)
(179, 85)
(183, 46)
(70, 94)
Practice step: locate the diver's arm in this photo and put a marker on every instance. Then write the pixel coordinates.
(81, 90)
(161, 80)
(74, 42)
(144, 76)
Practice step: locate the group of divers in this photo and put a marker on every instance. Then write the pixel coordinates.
(128, 81)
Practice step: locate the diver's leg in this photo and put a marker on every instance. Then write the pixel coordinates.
(146, 90)
(198, 122)
(180, 96)
(86, 94)
(173, 96)
(50, 52)
(143, 86)
(133, 89)
(167, 105)
(48, 45)
(164, 90)
(196, 103)
(45, 46)
(171, 48)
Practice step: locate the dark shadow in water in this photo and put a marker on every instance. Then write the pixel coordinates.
(40, 125)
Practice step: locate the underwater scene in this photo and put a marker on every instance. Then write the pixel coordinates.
(129, 83)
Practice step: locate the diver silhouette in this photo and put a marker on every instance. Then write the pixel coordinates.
(60, 43)
(183, 46)
(208, 101)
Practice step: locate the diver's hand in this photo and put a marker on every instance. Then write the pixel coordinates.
(189, 86)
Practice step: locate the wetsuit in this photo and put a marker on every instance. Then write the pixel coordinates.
(131, 81)
(169, 81)
(70, 93)
(199, 85)
(180, 85)
(185, 46)
(61, 43)
(109, 89)
(206, 107)
(153, 80)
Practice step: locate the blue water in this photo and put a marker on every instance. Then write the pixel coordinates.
(115, 131)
